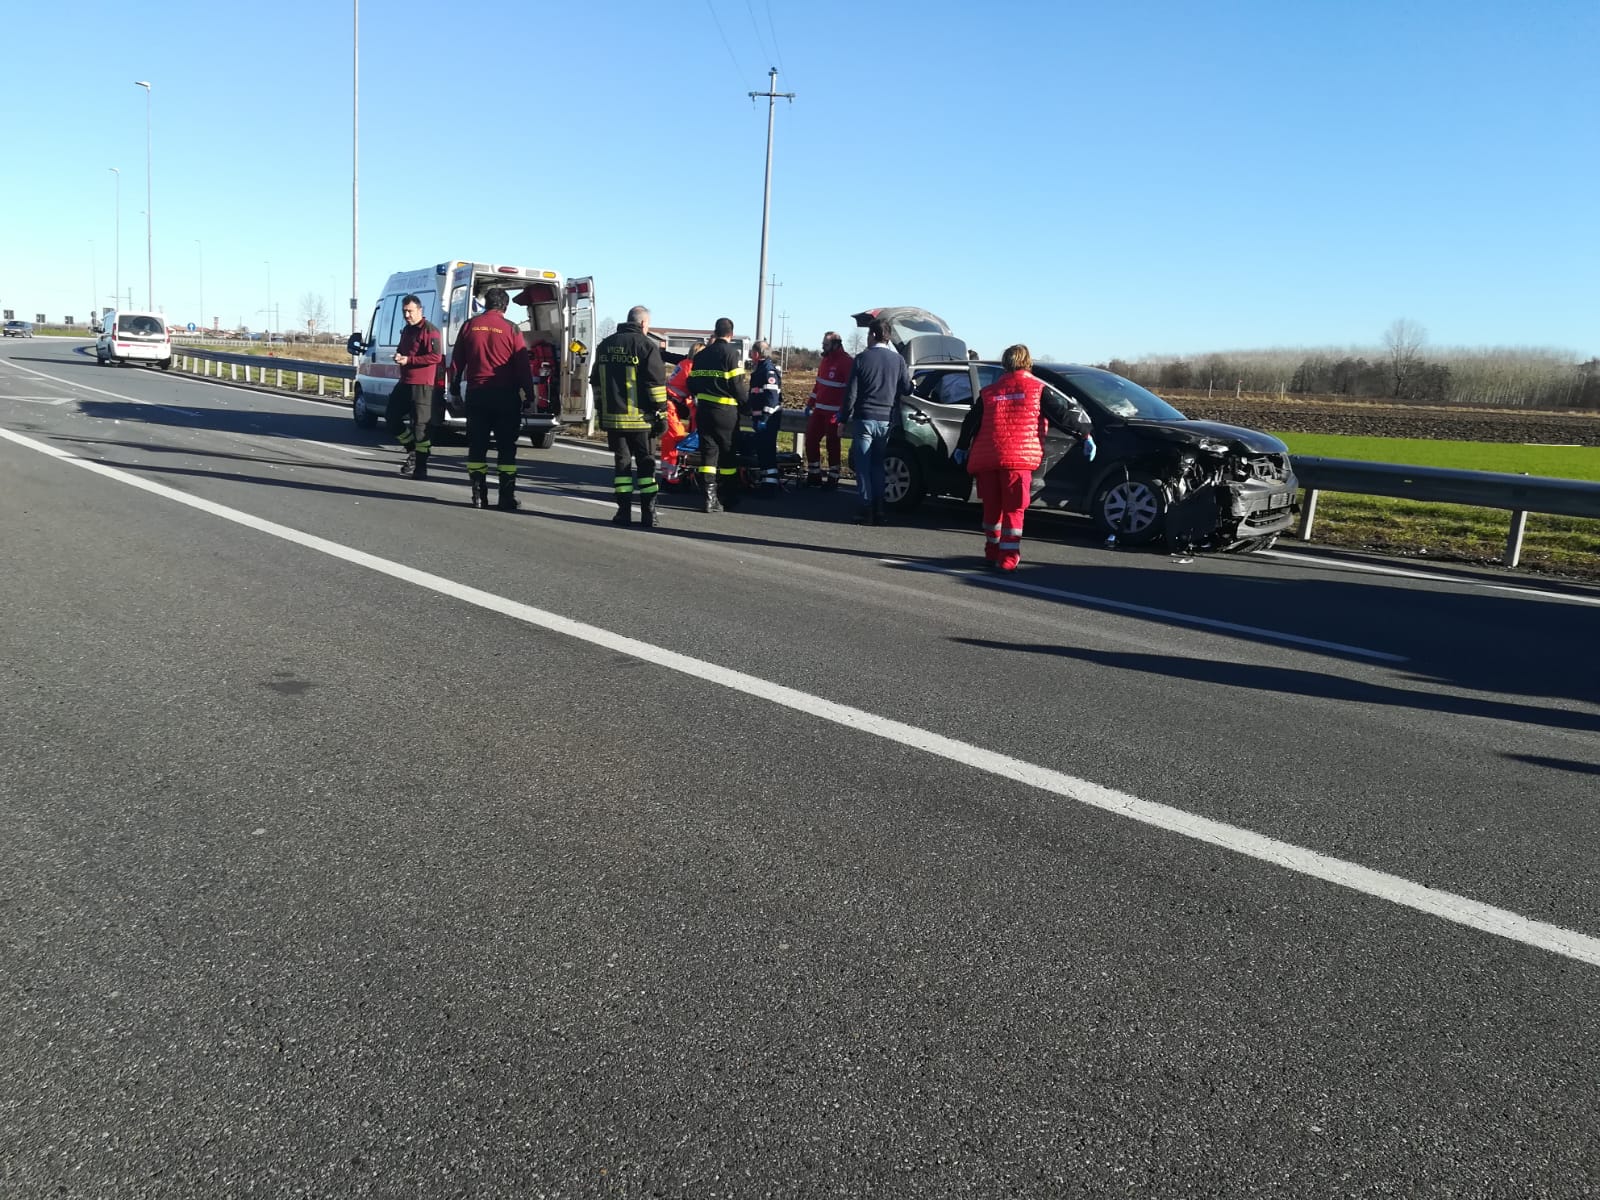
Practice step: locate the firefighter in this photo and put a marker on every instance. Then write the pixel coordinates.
(822, 411)
(679, 414)
(1002, 445)
(766, 409)
(415, 400)
(630, 391)
(490, 355)
(720, 390)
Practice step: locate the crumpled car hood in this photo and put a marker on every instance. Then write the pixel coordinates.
(1251, 440)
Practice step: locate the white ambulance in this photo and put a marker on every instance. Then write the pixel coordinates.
(545, 306)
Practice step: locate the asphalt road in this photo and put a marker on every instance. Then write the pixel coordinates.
(357, 843)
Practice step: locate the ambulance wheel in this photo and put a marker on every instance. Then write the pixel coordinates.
(544, 439)
(363, 413)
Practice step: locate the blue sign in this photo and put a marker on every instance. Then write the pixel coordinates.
(190, 326)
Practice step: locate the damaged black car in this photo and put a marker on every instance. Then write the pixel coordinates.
(1197, 485)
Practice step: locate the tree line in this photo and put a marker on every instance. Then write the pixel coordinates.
(1401, 368)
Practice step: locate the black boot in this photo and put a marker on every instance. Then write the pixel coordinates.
(879, 517)
(708, 499)
(409, 467)
(480, 488)
(624, 515)
(647, 512)
(730, 490)
(420, 469)
(508, 494)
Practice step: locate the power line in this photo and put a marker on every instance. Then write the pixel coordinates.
(726, 44)
(782, 66)
(761, 42)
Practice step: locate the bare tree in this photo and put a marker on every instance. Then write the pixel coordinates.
(1402, 341)
(608, 326)
(855, 342)
(315, 311)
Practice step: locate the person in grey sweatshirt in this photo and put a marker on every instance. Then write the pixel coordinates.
(877, 381)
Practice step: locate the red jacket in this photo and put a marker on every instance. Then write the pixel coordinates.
(1009, 420)
(423, 352)
(489, 351)
(833, 376)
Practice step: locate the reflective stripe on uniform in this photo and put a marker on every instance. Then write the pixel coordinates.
(424, 447)
(716, 400)
(649, 487)
(708, 374)
(835, 383)
(506, 468)
(622, 484)
(477, 466)
(828, 408)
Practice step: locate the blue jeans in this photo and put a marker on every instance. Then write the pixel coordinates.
(869, 442)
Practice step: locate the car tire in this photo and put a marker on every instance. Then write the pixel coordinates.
(365, 417)
(903, 487)
(166, 364)
(543, 439)
(1131, 506)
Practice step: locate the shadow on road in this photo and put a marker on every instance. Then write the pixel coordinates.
(1556, 764)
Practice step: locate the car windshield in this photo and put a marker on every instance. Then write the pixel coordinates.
(1119, 396)
(139, 326)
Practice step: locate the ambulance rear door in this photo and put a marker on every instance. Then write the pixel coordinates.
(577, 402)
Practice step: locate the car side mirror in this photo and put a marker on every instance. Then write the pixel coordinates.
(355, 347)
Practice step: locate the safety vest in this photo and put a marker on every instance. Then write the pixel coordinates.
(1008, 437)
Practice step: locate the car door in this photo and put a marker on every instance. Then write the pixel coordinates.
(931, 421)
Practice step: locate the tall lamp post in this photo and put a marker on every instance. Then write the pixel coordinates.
(94, 284)
(355, 164)
(269, 302)
(117, 295)
(149, 239)
(200, 252)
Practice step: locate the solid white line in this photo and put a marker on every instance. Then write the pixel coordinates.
(1165, 614)
(1379, 884)
(582, 449)
(188, 412)
(1312, 560)
(335, 446)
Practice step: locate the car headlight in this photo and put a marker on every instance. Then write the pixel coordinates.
(1212, 446)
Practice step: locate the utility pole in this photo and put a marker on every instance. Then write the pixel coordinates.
(772, 288)
(118, 251)
(149, 209)
(355, 166)
(773, 95)
(94, 285)
(784, 317)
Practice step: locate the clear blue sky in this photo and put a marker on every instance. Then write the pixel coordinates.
(1095, 180)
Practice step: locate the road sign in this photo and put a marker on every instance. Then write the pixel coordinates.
(190, 326)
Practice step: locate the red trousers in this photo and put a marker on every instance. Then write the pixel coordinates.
(1005, 496)
(822, 427)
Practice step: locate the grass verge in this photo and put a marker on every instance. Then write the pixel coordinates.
(1557, 462)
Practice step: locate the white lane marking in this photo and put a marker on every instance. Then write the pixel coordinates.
(187, 412)
(1312, 560)
(581, 448)
(51, 400)
(336, 446)
(1165, 614)
(1379, 884)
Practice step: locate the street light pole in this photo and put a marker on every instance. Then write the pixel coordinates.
(269, 302)
(118, 293)
(94, 283)
(201, 252)
(149, 239)
(773, 95)
(355, 164)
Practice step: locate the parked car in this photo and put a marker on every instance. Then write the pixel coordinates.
(1199, 484)
(134, 337)
(19, 329)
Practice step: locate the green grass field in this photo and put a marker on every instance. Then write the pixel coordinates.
(1557, 462)
(1563, 545)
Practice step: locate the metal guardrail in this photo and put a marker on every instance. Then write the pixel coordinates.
(1518, 494)
(211, 363)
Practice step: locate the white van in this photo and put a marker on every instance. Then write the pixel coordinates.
(544, 306)
(134, 337)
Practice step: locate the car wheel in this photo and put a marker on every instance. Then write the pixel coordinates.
(543, 439)
(364, 416)
(1133, 507)
(903, 488)
(166, 364)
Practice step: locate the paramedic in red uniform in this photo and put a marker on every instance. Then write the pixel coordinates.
(822, 411)
(416, 396)
(1002, 445)
(490, 355)
(680, 416)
